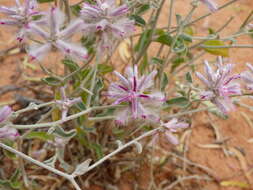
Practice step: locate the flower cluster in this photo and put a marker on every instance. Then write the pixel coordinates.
(168, 129)
(57, 37)
(21, 17)
(108, 21)
(142, 103)
(7, 132)
(220, 85)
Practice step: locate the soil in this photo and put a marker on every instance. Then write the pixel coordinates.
(233, 134)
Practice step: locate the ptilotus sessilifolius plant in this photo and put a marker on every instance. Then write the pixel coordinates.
(119, 77)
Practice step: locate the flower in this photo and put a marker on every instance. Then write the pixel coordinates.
(21, 16)
(212, 6)
(141, 102)
(220, 85)
(57, 37)
(7, 132)
(247, 76)
(65, 103)
(168, 129)
(107, 20)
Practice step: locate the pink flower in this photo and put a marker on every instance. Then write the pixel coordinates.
(21, 16)
(168, 129)
(65, 103)
(108, 20)
(57, 37)
(212, 6)
(7, 132)
(220, 85)
(141, 102)
(247, 76)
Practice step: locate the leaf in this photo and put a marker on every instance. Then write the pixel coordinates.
(138, 147)
(179, 101)
(158, 61)
(165, 39)
(144, 40)
(142, 9)
(44, 1)
(71, 65)
(138, 20)
(188, 77)
(39, 135)
(76, 9)
(216, 51)
(165, 81)
(64, 134)
(52, 81)
(82, 168)
(234, 184)
(103, 68)
(98, 149)
(144, 64)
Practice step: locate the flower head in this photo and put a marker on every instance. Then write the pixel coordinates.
(247, 76)
(107, 20)
(212, 6)
(168, 129)
(21, 16)
(141, 102)
(65, 103)
(57, 37)
(220, 85)
(6, 131)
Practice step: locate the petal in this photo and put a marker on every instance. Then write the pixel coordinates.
(56, 20)
(225, 105)
(39, 52)
(209, 72)
(147, 81)
(9, 22)
(101, 25)
(5, 112)
(119, 11)
(123, 116)
(72, 28)
(212, 6)
(33, 28)
(134, 107)
(171, 138)
(123, 80)
(7, 10)
(73, 50)
(122, 28)
(7, 132)
(203, 79)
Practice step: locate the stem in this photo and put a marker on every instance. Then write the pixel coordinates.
(228, 46)
(55, 123)
(41, 164)
(122, 147)
(93, 82)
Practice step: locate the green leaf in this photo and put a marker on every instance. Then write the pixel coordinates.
(157, 61)
(144, 40)
(64, 134)
(39, 135)
(71, 65)
(188, 77)
(138, 20)
(52, 81)
(45, 1)
(164, 82)
(103, 68)
(76, 9)
(177, 62)
(142, 9)
(98, 150)
(216, 51)
(165, 39)
(179, 101)
(144, 64)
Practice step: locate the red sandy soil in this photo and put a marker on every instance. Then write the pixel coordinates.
(236, 129)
